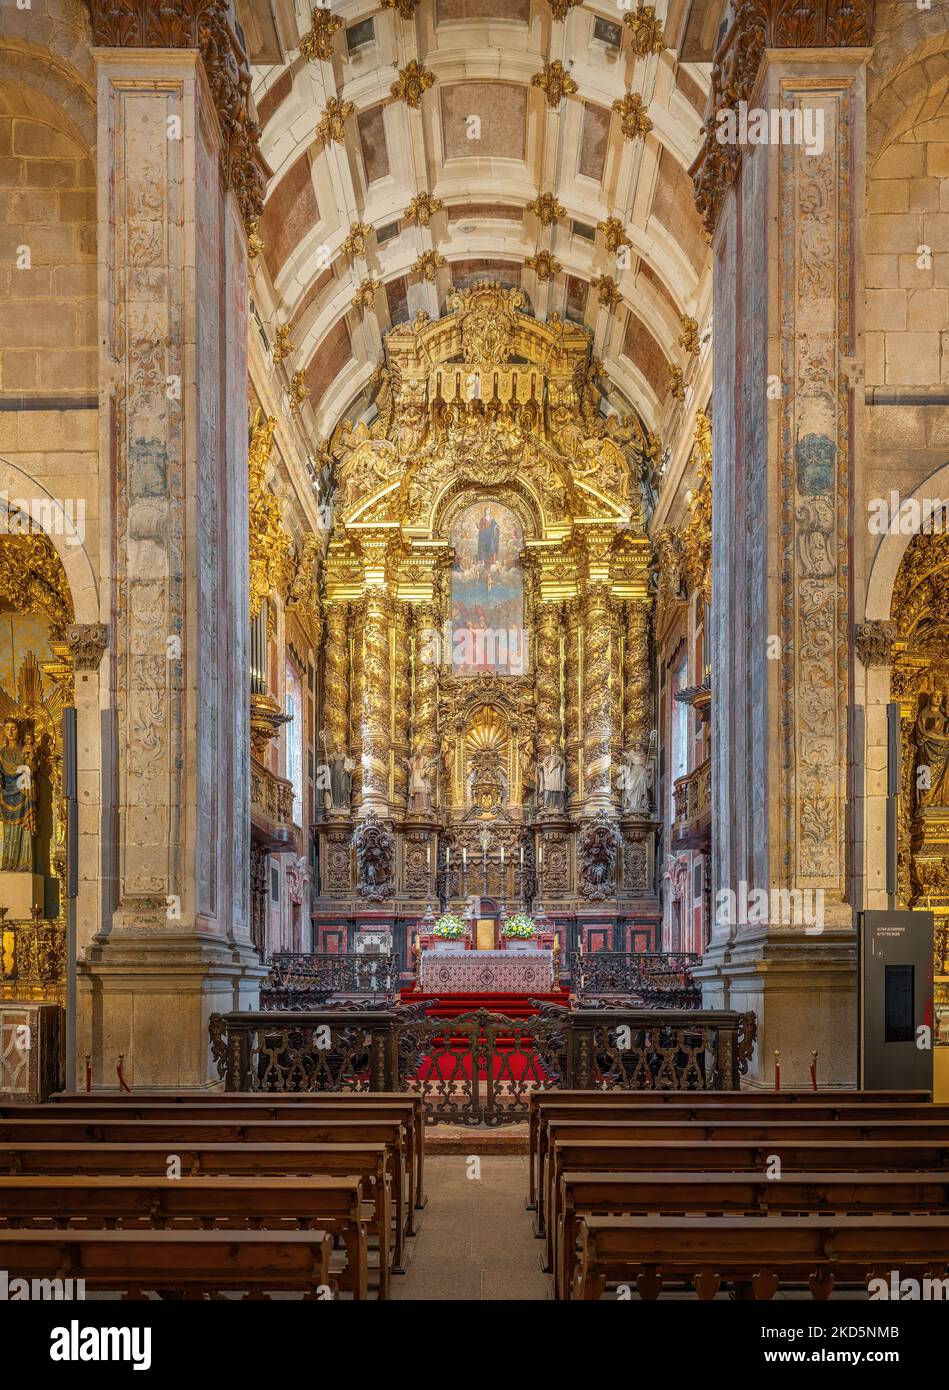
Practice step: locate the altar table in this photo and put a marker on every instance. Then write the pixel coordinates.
(487, 972)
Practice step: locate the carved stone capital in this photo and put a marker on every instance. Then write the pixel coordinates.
(874, 641)
(759, 25)
(87, 642)
(207, 25)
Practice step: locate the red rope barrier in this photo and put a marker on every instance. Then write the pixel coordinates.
(122, 1081)
(813, 1071)
(777, 1070)
(88, 1072)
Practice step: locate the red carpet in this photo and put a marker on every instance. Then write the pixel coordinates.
(512, 1061)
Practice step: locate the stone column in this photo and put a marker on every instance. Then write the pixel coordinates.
(172, 327)
(788, 261)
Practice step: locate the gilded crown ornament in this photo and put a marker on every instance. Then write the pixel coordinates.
(365, 296)
(614, 233)
(607, 292)
(299, 391)
(422, 209)
(255, 243)
(318, 43)
(646, 30)
(676, 384)
(559, 9)
(689, 339)
(634, 122)
(282, 344)
(413, 81)
(547, 209)
(428, 264)
(544, 265)
(555, 82)
(355, 243)
(332, 123)
(406, 8)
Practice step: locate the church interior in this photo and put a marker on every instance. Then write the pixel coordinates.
(474, 648)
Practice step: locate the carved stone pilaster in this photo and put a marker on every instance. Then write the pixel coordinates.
(209, 26)
(87, 642)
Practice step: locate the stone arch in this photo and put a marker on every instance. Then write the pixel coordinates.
(886, 562)
(75, 559)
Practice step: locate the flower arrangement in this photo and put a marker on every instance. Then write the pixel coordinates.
(519, 926)
(449, 927)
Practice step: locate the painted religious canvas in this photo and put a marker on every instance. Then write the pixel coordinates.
(487, 592)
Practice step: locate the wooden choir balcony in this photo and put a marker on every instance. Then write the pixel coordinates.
(693, 807)
(271, 807)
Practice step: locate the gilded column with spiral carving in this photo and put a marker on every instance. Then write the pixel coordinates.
(357, 694)
(336, 678)
(637, 703)
(547, 677)
(375, 694)
(597, 697)
(425, 659)
(401, 696)
(573, 751)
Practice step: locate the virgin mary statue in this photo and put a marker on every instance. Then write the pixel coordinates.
(17, 801)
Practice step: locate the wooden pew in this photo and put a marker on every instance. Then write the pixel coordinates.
(703, 1155)
(540, 1101)
(761, 1251)
(332, 1204)
(367, 1161)
(764, 1129)
(273, 1105)
(632, 1194)
(198, 1262)
(177, 1131)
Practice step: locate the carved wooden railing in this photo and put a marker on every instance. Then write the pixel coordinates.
(271, 799)
(482, 1067)
(308, 981)
(644, 979)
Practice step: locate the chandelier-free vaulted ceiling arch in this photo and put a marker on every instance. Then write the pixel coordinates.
(399, 84)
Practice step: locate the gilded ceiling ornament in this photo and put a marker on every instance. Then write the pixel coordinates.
(634, 121)
(355, 243)
(544, 265)
(555, 82)
(422, 209)
(282, 345)
(547, 209)
(271, 550)
(690, 335)
(646, 30)
(406, 8)
(559, 9)
(318, 43)
(428, 264)
(254, 242)
(615, 234)
(412, 82)
(606, 291)
(676, 384)
(332, 123)
(299, 391)
(365, 295)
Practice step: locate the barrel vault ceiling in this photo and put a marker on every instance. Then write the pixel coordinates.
(487, 140)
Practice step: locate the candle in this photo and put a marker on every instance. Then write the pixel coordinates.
(447, 856)
(522, 856)
(540, 853)
(502, 856)
(428, 856)
(464, 857)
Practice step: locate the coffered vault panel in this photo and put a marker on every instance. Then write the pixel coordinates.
(483, 139)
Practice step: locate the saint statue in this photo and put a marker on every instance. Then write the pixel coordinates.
(932, 748)
(342, 767)
(553, 783)
(420, 784)
(636, 781)
(17, 800)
